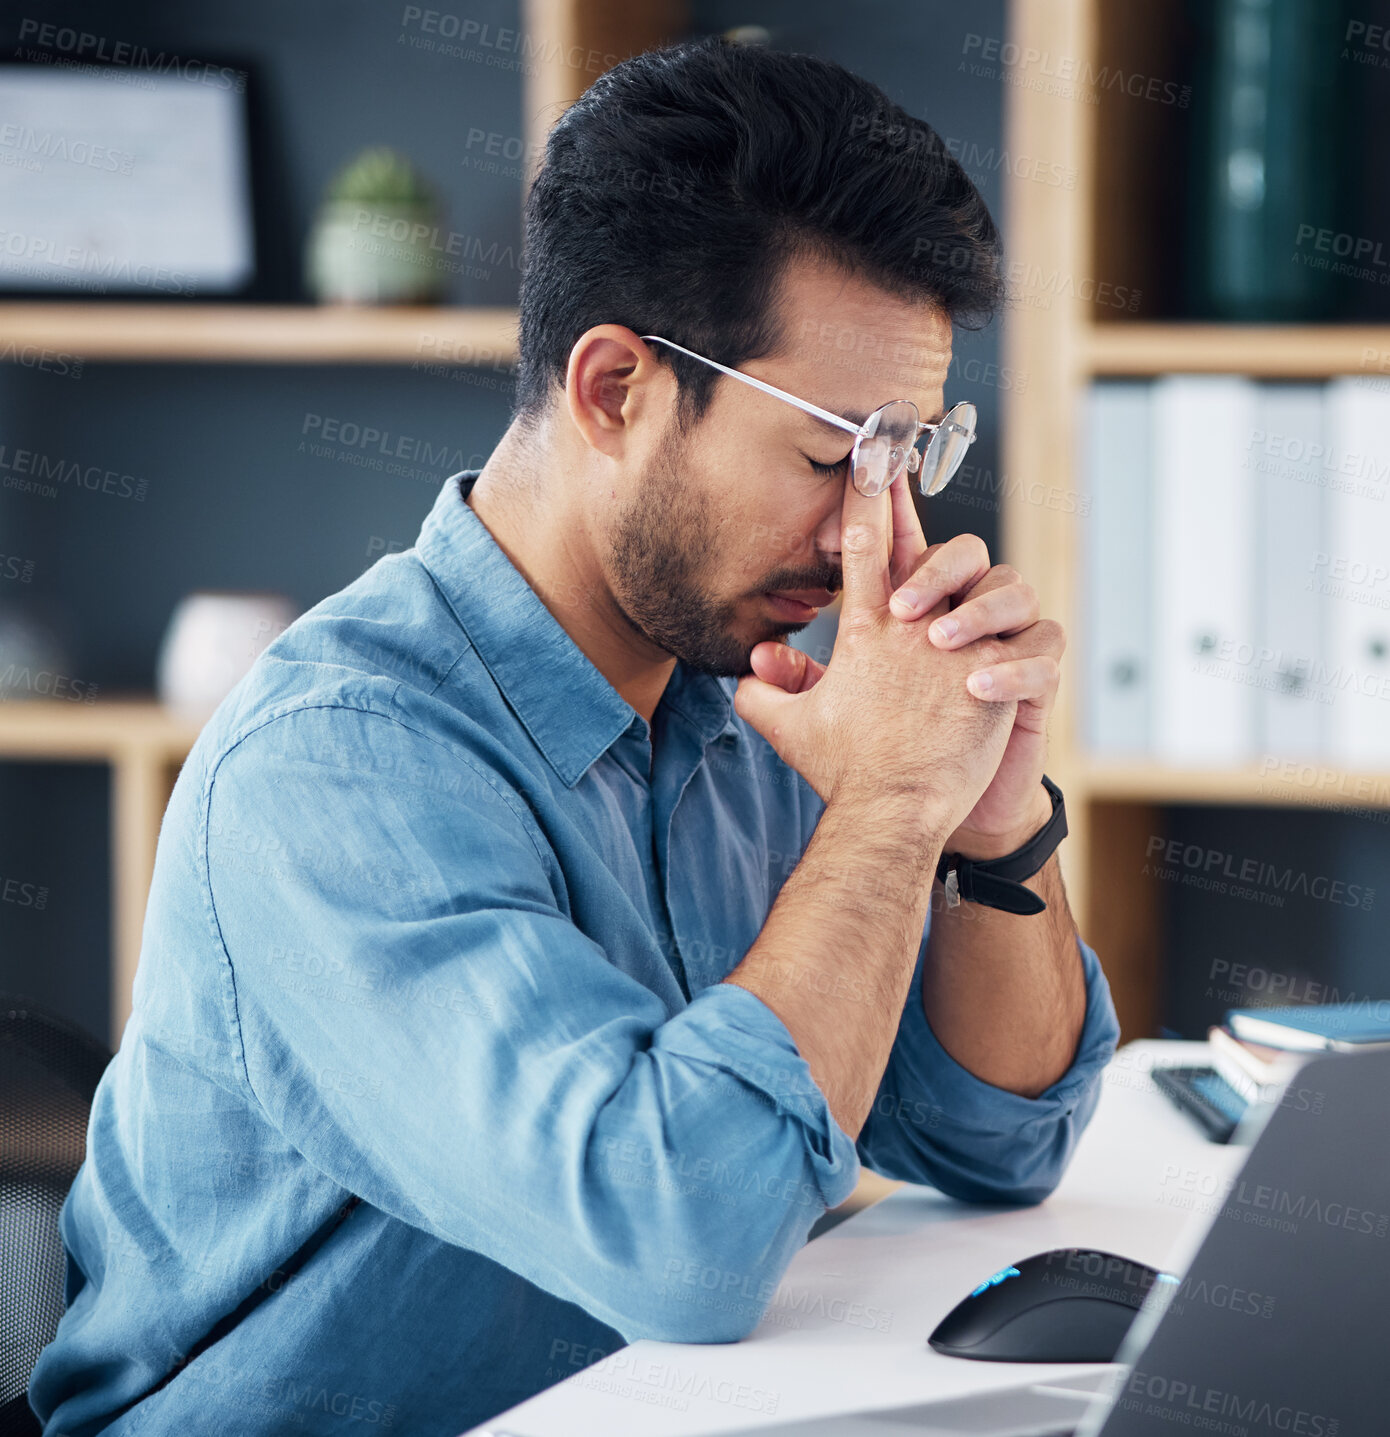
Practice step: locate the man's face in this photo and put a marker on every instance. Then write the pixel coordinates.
(736, 508)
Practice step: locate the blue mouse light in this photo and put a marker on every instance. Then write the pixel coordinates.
(996, 1279)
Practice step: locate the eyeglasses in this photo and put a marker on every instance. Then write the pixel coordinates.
(885, 444)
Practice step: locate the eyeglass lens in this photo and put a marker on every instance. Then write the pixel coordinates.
(882, 455)
(947, 448)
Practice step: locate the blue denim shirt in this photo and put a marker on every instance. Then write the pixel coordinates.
(431, 1081)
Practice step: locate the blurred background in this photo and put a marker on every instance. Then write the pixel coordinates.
(257, 268)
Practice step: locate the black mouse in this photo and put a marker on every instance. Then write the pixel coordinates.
(1069, 1305)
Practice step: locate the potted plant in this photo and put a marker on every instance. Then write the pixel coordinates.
(375, 239)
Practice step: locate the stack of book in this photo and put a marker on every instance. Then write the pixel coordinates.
(1258, 1051)
(1236, 547)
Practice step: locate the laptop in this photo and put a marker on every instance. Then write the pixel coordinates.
(1280, 1325)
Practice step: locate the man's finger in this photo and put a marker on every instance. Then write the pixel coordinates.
(865, 532)
(957, 564)
(1000, 576)
(909, 542)
(990, 612)
(761, 705)
(790, 669)
(1032, 680)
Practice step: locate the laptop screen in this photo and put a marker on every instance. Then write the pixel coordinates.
(1280, 1324)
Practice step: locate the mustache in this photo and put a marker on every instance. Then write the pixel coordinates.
(832, 582)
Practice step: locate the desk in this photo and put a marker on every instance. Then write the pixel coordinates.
(848, 1325)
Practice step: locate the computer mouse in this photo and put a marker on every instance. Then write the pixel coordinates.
(1072, 1304)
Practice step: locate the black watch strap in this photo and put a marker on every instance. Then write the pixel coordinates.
(998, 882)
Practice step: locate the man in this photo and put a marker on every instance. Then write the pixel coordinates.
(537, 946)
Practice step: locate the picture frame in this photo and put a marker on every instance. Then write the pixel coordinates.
(134, 183)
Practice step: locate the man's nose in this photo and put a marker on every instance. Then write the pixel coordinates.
(826, 542)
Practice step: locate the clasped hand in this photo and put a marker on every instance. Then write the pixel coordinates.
(947, 652)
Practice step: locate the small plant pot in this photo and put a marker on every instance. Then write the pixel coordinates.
(365, 253)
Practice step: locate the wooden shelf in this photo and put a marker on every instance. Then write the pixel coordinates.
(265, 334)
(1268, 351)
(1297, 784)
(55, 730)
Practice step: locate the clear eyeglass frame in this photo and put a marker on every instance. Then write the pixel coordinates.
(886, 443)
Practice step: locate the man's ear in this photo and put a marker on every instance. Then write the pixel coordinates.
(613, 380)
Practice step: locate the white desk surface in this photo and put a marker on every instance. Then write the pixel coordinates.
(1141, 1184)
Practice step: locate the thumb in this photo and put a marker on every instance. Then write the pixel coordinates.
(790, 669)
(866, 531)
(767, 709)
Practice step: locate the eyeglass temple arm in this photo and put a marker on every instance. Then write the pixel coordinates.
(803, 404)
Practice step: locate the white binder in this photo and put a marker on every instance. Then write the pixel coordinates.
(1205, 639)
(1117, 532)
(1290, 552)
(1356, 577)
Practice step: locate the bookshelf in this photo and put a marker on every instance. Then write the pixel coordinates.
(1108, 228)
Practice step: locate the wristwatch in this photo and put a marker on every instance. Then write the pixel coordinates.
(998, 882)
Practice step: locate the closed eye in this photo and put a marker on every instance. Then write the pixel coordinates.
(828, 470)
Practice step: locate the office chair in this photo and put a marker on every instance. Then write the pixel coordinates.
(48, 1073)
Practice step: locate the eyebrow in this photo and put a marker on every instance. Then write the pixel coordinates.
(855, 416)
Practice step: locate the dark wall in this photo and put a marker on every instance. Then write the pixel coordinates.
(1271, 907)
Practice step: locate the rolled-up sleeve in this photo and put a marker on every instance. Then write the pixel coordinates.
(420, 1017)
(935, 1122)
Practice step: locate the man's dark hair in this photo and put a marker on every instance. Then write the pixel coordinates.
(674, 191)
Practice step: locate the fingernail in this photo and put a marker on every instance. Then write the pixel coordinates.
(982, 683)
(906, 600)
(944, 630)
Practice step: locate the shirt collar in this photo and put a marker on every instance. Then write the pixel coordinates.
(567, 706)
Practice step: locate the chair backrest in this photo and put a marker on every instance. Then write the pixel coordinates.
(49, 1070)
